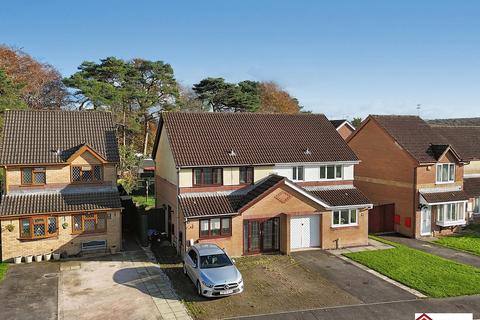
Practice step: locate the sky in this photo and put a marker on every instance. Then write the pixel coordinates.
(342, 58)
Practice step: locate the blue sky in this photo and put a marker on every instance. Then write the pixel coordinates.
(341, 58)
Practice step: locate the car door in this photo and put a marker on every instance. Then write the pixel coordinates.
(191, 265)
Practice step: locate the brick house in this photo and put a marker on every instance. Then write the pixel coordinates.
(255, 183)
(60, 190)
(410, 166)
(344, 128)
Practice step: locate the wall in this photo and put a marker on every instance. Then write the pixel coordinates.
(345, 131)
(473, 168)
(347, 236)
(65, 241)
(164, 162)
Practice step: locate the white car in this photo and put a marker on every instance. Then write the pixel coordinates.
(212, 271)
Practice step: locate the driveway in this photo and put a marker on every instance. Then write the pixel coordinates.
(364, 286)
(29, 291)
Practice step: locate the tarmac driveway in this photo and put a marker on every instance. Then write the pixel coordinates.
(359, 283)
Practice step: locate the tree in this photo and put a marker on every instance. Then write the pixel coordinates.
(189, 101)
(276, 100)
(40, 85)
(356, 122)
(10, 96)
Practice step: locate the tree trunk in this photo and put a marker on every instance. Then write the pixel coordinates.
(145, 135)
(124, 128)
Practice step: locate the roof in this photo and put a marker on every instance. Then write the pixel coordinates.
(456, 122)
(338, 123)
(222, 139)
(41, 203)
(449, 196)
(465, 140)
(230, 203)
(418, 138)
(472, 187)
(41, 133)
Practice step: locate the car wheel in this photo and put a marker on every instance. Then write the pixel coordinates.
(184, 269)
(199, 289)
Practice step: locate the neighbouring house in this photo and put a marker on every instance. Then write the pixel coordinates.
(344, 127)
(461, 122)
(413, 174)
(255, 183)
(146, 168)
(60, 192)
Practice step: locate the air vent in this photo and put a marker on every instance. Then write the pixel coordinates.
(307, 151)
(232, 153)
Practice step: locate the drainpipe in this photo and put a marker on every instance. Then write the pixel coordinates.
(415, 206)
(177, 210)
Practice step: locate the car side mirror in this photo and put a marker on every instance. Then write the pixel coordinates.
(233, 261)
(195, 265)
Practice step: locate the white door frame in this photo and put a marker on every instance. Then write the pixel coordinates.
(426, 211)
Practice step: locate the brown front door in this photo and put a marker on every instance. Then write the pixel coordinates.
(261, 235)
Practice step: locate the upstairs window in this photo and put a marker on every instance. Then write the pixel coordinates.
(207, 176)
(331, 172)
(38, 227)
(298, 173)
(33, 176)
(445, 173)
(87, 173)
(246, 175)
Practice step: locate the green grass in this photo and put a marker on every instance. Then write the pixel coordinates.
(432, 275)
(3, 270)
(468, 240)
(141, 201)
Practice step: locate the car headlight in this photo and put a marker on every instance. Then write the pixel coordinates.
(241, 281)
(209, 285)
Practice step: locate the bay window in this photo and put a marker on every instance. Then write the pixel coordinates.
(215, 227)
(476, 205)
(38, 227)
(331, 172)
(207, 176)
(445, 173)
(345, 217)
(89, 223)
(451, 214)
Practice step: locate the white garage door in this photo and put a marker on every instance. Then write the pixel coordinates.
(304, 232)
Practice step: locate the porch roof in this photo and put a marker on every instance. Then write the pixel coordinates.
(440, 197)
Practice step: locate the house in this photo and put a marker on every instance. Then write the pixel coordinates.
(60, 194)
(453, 122)
(255, 183)
(408, 166)
(343, 127)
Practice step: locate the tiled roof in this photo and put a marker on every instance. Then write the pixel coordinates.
(39, 203)
(465, 140)
(262, 187)
(341, 197)
(32, 137)
(472, 186)
(456, 122)
(209, 205)
(414, 135)
(217, 138)
(436, 197)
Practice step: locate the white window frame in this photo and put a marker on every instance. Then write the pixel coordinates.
(449, 173)
(476, 205)
(449, 209)
(295, 173)
(335, 167)
(349, 224)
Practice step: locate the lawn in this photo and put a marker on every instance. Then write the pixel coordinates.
(468, 240)
(141, 201)
(432, 275)
(3, 270)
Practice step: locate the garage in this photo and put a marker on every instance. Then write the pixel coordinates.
(304, 232)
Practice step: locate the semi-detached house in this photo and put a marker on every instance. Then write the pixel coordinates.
(255, 183)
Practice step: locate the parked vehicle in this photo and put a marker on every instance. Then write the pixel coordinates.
(212, 271)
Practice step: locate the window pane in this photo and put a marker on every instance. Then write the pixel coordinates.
(197, 174)
(101, 221)
(294, 173)
(97, 173)
(89, 225)
(344, 217)
(215, 227)
(353, 216)
(76, 174)
(26, 176)
(87, 175)
(330, 172)
(77, 222)
(39, 228)
(226, 226)
(217, 176)
(300, 173)
(39, 177)
(25, 228)
(476, 205)
(336, 217)
(207, 176)
(445, 172)
(243, 175)
(440, 213)
(338, 172)
(439, 173)
(323, 170)
(204, 227)
(52, 225)
(452, 172)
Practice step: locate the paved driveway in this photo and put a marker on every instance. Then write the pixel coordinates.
(359, 283)
(29, 291)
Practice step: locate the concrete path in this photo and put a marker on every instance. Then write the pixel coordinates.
(29, 291)
(396, 310)
(432, 248)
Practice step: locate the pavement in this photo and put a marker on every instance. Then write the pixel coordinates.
(29, 291)
(432, 248)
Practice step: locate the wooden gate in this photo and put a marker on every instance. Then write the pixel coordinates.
(381, 218)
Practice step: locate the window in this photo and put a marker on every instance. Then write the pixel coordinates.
(450, 213)
(331, 172)
(89, 223)
(207, 176)
(297, 173)
(33, 176)
(38, 227)
(246, 175)
(216, 227)
(86, 173)
(476, 205)
(193, 255)
(445, 173)
(346, 217)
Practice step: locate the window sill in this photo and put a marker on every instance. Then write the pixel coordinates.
(341, 226)
(451, 223)
(36, 239)
(447, 182)
(83, 234)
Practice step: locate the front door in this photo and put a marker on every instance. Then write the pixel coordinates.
(261, 236)
(426, 223)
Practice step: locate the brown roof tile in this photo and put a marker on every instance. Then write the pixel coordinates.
(472, 187)
(206, 139)
(209, 205)
(341, 197)
(32, 137)
(39, 203)
(465, 140)
(436, 197)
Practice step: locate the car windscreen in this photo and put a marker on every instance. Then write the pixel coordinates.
(214, 261)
